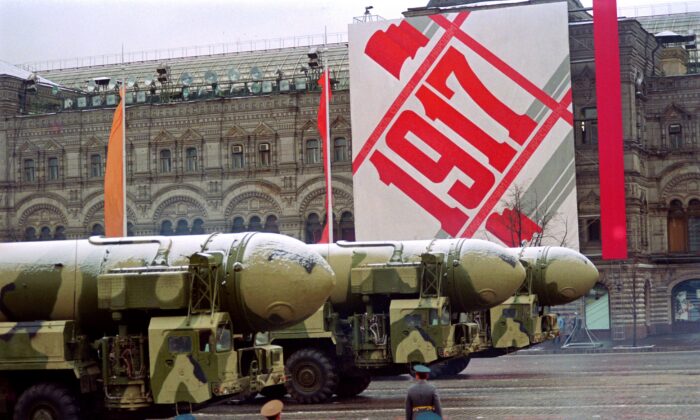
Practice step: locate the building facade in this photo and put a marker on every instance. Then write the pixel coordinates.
(214, 153)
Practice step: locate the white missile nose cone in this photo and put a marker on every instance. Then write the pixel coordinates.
(487, 274)
(571, 274)
(282, 281)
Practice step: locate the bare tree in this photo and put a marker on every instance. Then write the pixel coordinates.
(524, 219)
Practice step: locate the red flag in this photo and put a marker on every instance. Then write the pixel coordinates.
(610, 148)
(115, 179)
(324, 130)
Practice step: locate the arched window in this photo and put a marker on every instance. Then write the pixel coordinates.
(255, 224)
(30, 234)
(59, 233)
(271, 224)
(165, 161)
(313, 230)
(191, 159)
(347, 226)
(182, 227)
(313, 152)
(341, 151)
(238, 225)
(675, 136)
(694, 225)
(198, 227)
(95, 166)
(677, 227)
(97, 230)
(335, 226)
(166, 228)
(45, 234)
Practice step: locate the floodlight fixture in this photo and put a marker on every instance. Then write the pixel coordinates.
(163, 72)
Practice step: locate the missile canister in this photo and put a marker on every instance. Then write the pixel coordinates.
(265, 281)
(478, 274)
(559, 275)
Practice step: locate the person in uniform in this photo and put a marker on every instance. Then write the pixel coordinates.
(272, 410)
(422, 397)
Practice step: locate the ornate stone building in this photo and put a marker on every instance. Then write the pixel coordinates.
(202, 156)
(229, 143)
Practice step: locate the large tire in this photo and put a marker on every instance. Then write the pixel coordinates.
(450, 367)
(353, 383)
(47, 401)
(274, 391)
(311, 376)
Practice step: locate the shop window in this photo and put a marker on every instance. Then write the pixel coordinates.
(597, 303)
(685, 300)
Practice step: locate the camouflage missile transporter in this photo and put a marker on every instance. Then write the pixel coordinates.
(431, 302)
(129, 323)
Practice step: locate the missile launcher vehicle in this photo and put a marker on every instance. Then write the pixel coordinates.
(434, 302)
(130, 323)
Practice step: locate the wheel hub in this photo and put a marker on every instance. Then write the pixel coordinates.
(43, 413)
(308, 376)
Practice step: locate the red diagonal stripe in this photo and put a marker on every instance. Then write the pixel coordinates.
(501, 65)
(517, 167)
(407, 90)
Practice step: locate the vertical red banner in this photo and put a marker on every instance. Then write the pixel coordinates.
(610, 148)
(324, 130)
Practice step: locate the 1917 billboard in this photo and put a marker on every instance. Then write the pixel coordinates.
(462, 126)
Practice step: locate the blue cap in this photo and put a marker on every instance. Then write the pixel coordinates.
(421, 369)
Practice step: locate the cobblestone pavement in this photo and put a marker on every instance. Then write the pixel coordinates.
(656, 385)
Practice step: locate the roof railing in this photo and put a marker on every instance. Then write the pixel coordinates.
(186, 52)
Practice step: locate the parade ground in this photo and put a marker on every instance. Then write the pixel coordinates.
(531, 385)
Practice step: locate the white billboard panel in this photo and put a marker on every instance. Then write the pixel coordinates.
(462, 126)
